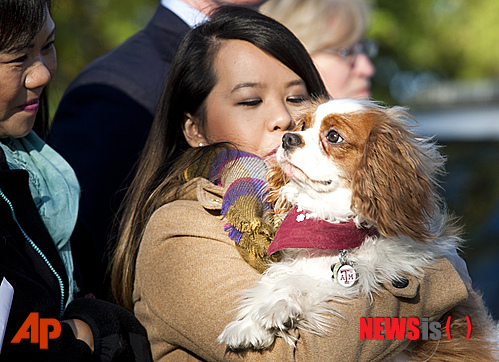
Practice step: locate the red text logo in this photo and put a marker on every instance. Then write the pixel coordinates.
(37, 330)
(402, 328)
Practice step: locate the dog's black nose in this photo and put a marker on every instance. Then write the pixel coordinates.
(290, 141)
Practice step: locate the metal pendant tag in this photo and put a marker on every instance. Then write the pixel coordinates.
(343, 271)
(345, 275)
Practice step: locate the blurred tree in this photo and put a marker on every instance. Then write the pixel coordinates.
(424, 40)
(87, 29)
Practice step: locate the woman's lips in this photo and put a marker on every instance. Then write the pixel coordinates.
(31, 106)
(271, 155)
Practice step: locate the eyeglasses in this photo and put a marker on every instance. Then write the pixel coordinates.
(349, 54)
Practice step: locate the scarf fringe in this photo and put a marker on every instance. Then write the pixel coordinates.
(249, 216)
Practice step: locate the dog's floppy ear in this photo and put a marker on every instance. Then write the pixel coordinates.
(395, 184)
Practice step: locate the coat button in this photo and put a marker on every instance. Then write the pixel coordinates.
(400, 282)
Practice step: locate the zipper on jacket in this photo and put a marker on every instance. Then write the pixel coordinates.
(37, 249)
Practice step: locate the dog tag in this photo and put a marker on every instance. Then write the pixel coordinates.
(343, 271)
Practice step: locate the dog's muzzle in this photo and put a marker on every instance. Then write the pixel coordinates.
(290, 141)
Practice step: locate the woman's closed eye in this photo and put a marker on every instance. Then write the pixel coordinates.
(296, 99)
(19, 59)
(22, 58)
(250, 103)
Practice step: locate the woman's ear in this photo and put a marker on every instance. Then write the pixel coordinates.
(191, 132)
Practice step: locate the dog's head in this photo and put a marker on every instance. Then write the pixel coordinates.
(364, 156)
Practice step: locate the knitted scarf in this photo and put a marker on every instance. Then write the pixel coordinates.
(249, 216)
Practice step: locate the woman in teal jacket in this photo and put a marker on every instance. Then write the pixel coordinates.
(39, 196)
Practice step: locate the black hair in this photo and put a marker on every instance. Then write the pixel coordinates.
(20, 22)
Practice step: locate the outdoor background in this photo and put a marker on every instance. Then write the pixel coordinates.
(440, 58)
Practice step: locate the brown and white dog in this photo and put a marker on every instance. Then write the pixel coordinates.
(356, 164)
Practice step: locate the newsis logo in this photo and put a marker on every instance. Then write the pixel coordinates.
(402, 328)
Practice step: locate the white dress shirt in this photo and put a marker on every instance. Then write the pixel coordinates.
(187, 13)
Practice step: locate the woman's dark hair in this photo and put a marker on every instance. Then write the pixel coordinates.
(190, 81)
(20, 22)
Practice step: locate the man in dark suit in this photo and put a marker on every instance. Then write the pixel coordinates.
(104, 116)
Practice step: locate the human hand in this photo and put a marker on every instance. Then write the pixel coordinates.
(117, 334)
(81, 331)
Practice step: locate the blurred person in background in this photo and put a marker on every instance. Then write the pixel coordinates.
(105, 114)
(39, 195)
(333, 32)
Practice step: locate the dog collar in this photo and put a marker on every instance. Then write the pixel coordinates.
(302, 229)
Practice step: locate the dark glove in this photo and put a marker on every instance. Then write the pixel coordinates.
(118, 335)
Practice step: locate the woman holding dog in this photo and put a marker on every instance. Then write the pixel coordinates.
(39, 196)
(195, 229)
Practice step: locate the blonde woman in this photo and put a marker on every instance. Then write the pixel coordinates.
(333, 32)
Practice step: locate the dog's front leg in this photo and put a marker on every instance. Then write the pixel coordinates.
(270, 308)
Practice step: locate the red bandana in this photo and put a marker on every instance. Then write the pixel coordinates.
(300, 229)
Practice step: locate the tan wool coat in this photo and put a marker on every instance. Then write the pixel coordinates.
(189, 276)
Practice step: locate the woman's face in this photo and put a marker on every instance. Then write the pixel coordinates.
(254, 100)
(345, 78)
(23, 75)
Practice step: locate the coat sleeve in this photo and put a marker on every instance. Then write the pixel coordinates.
(187, 287)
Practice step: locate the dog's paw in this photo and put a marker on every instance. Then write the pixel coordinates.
(282, 315)
(244, 333)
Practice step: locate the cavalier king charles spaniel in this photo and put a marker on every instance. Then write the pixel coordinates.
(359, 191)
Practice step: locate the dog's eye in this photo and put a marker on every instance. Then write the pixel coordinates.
(334, 137)
(303, 126)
